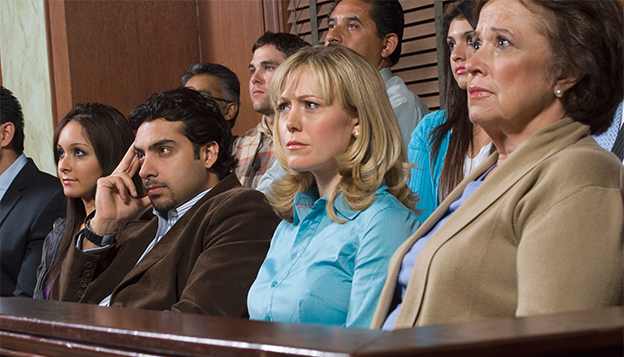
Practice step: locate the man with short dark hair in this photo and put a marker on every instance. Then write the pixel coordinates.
(208, 236)
(218, 83)
(30, 202)
(374, 29)
(254, 149)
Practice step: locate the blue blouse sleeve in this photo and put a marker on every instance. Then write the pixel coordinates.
(425, 176)
(386, 231)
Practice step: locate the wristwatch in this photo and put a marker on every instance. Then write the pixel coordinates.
(97, 239)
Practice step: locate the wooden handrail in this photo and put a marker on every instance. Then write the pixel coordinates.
(47, 328)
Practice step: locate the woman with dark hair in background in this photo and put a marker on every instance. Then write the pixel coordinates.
(446, 146)
(538, 227)
(89, 142)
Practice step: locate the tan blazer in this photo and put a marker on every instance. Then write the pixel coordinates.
(543, 234)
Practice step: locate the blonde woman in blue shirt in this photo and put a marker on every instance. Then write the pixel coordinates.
(345, 203)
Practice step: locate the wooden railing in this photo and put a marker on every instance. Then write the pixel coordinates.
(46, 328)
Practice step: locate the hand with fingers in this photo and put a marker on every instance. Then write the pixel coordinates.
(116, 199)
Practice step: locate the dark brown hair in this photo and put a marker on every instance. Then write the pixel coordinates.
(586, 38)
(110, 135)
(456, 120)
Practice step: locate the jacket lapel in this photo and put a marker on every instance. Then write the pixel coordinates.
(23, 180)
(160, 250)
(529, 154)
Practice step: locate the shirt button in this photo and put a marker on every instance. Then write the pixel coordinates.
(89, 265)
(80, 294)
(118, 304)
(82, 284)
(274, 284)
(86, 274)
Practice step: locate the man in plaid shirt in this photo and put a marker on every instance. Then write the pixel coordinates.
(254, 149)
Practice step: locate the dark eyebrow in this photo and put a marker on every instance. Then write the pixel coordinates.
(155, 145)
(350, 18)
(269, 63)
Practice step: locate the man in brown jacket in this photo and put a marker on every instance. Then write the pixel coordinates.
(208, 236)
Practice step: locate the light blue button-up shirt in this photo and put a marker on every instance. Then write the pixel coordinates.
(320, 271)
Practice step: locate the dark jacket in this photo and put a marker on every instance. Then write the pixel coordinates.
(205, 264)
(31, 204)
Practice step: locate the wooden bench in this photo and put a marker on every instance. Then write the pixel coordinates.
(47, 328)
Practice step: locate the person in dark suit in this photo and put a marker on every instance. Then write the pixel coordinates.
(208, 236)
(30, 202)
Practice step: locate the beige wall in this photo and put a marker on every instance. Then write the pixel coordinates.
(25, 72)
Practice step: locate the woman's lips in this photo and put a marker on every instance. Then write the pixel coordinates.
(294, 145)
(460, 70)
(69, 181)
(478, 92)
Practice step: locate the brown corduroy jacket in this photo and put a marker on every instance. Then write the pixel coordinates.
(205, 264)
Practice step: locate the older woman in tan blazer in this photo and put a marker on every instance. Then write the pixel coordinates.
(538, 227)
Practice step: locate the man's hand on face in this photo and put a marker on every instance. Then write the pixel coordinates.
(116, 199)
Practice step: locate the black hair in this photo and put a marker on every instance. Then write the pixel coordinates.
(286, 43)
(201, 117)
(388, 17)
(11, 111)
(229, 82)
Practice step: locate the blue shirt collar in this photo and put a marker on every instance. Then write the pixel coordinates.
(307, 201)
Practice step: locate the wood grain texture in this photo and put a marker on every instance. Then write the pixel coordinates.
(118, 52)
(52, 328)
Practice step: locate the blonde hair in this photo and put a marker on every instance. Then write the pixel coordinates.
(375, 155)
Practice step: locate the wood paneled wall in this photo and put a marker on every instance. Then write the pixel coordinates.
(228, 31)
(118, 52)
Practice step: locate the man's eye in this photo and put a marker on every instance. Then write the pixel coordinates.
(270, 68)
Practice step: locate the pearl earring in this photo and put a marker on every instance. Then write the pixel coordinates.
(356, 133)
(558, 93)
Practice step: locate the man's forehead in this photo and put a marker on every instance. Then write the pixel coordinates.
(159, 130)
(267, 54)
(351, 10)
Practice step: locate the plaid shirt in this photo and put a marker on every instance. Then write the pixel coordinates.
(254, 151)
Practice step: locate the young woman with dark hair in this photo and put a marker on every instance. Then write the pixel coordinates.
(89, 142)
(446, 146)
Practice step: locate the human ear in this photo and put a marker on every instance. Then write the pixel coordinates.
(211, 151)
(231, 109)
(565, 81)
(7, 132)
(390, 44)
